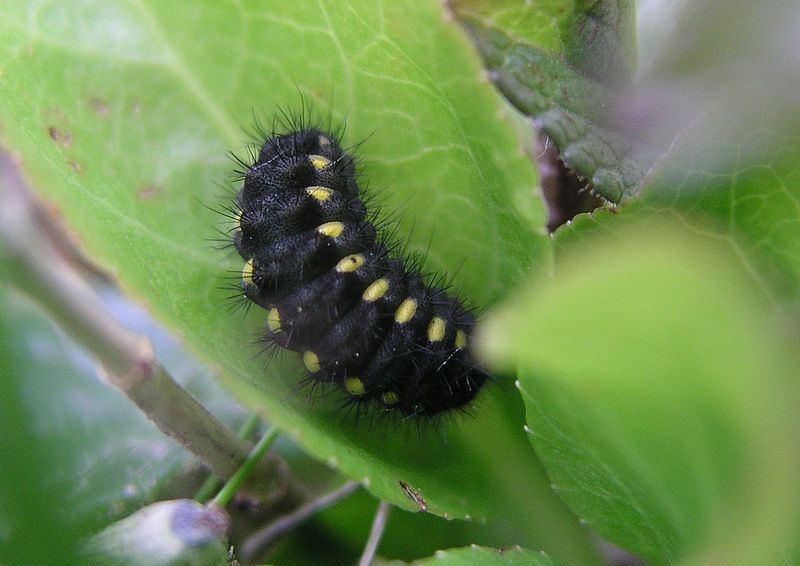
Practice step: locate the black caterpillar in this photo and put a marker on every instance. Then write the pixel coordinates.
(334, 288)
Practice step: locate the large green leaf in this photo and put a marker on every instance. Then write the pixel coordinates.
(123, 112)
(661, 397)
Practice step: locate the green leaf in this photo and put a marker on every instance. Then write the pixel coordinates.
(600, 40)
(479, 555)
(538, 24)
(123, 113)
(570, 95)
(660, 397)
(34, 522)
(746, 188)
(111, 458)
(615, 166)
(742, 191)
(100, 474)
(535, 80)
(597, 37)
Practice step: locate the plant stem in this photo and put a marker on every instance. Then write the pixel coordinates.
(233, 485)
(375, 533)
(213, 483)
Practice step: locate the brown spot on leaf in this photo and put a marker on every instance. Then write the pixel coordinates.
(98, 106)
(61, 138)
(75, 166)
(149, 192)
(414, 496)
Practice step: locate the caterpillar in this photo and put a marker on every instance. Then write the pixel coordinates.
(338, 290)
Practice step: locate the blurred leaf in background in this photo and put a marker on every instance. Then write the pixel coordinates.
(661, 394)
(34, 524)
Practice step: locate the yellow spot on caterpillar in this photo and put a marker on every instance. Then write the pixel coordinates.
(331, 229)
(311, 361)
(405, 311)
(376, 290)
(247, 273)
(323, 141)
(319, 193)
(319, 162)
(436, 329)
(354, 386)
(461, 339)
(274, 320)
(350, 263)
(390, 398)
